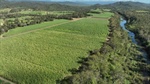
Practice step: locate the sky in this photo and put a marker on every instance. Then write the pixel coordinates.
(145, 1)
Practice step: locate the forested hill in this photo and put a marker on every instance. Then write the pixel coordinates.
(72, 5)
(130, 5)
(125, 6)
(41, 6)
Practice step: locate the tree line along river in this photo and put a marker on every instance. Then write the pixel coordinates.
(132, 36)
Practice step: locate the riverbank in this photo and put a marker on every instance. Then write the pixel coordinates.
(123, 22)
(139, 24)
(146, 73)
(141, 40)
(118, 61)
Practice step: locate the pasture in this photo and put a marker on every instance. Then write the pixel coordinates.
(5, 10)
(102, 15)
(96, 10)
(107, 10)
(60, 12)
(45, 12)
(1, 20)
(19, 30)
(44, 56)
(141, 11)
(33, 12)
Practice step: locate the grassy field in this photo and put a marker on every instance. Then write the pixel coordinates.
(1, 20)
(61, 12)
(106, 10)
(96, 10)
(46, 12)
(44, 56)
(5, 10)
(19, 30)
(141, 11)
(102, 15)
(34, 12)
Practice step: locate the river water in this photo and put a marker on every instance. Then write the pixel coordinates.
(132, 36)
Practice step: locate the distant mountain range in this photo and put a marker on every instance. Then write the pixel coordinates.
(75, 3)
(128, 5)
(108, 4)
(70, 2)
(85, 3)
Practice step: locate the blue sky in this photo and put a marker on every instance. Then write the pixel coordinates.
(145, 1)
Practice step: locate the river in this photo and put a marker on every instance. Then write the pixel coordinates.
(132, 36)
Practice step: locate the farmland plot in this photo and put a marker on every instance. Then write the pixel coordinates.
(44, 56)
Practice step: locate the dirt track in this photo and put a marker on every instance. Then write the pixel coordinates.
(5, 80)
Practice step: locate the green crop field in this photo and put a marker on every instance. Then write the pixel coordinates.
(60, 12)
(34, 12)
(5, 10)
(33, 27)
(46, 12)
(96, 10)
(102, 15)
(141, 11)
(106, 14)
(44, 56)
(1, 20)
(106, 10)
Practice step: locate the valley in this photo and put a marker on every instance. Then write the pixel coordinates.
(55, 43)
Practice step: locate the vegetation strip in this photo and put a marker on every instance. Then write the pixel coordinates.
(111, 64)
(135, 20)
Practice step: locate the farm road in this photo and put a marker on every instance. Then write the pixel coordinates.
(7, 81)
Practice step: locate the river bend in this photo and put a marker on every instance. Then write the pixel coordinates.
(132, 36)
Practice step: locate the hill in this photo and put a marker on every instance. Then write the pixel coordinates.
(49, 6)
(129, 5)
